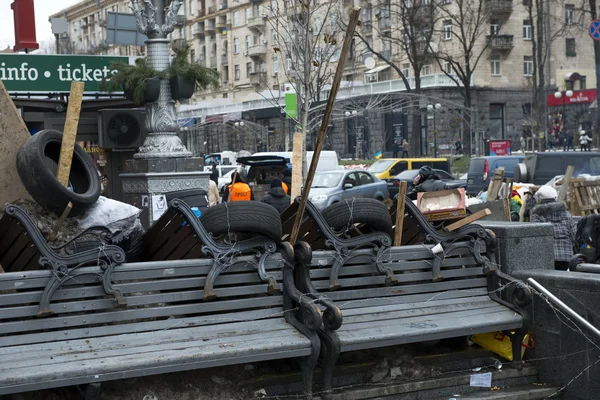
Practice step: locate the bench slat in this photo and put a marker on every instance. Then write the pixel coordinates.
(418, 329)
(139, 343)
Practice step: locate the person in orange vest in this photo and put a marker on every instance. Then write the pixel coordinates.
(286, 180)
(241, 190)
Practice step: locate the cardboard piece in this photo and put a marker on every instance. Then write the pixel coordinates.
(454, 211)
(13, 134)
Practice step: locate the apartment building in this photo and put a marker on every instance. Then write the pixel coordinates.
(87, 28)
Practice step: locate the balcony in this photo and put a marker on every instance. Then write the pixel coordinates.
(258, 78)
(210, 26)
(199, 30)
(366, 26)
(223, 5)
(385, 23)
(257, 23)
(212, 9)
(501, 42)
(257, 51)
(102, 22)
(224, 59)
(221, 22)
(212, 62)
(499, 8)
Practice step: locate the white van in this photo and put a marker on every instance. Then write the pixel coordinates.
(327, 161)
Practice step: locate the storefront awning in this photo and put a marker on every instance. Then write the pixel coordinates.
(377, 69)
(572, 76)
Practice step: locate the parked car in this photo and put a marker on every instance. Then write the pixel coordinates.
(225, 172)
(539, 168)
(330, 187)
(261, 171)
(481, 170)
(389, 167)
(409, 176)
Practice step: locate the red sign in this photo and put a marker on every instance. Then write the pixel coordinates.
(24, 15)
(499, 147)
(579, 97)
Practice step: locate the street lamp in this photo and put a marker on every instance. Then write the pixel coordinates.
(356, 148)
(238, 125)
(563, 94)
(431, 108)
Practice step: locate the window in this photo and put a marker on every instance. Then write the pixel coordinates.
(274, 37)
(582, 83)
(571, 51)
(426, 69)
(248, 14)
(237, 72)
(447, 30)
(496, 126)
(364, 178)
(569, 14)
(224, 95)
(494, 27)
(528, 65)
(192, 10)
(527, 29)
(275, 64)
(192, 56)
(236, 18)
(274, 7)
(317, 26)
(406, 70)
(249, 41)
(447, 67)
(288, 64)
(236, 46)
(495, 64)
(248, 69)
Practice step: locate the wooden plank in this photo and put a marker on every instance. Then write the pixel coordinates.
(400, 214)
(494, 188)
(297, 167)
(335, 85)
(566, 181)
(70, 132)
(14, 135)
(60, 222)
(471, 218)
(524, 206)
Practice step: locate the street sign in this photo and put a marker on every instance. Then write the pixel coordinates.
(32, 73)
(595, 29)
(121, 29)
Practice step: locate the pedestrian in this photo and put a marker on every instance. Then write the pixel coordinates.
(276, 196)
(523, 149)
(458, 147)
(214, 173)
(396, 149)
(239, 190)
(569, 142)
(404, 148)
(548, 209)
(584, 141)
(213, 194)
(286, 180)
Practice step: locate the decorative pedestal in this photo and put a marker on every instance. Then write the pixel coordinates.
(146, 183)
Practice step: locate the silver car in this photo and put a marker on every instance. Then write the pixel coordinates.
(332, 186)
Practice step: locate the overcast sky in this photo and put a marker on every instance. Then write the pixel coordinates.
(43, 9)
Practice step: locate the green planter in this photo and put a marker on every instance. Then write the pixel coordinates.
(181, 87)
(151, 91)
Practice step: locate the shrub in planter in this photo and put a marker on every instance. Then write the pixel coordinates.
(186, 77)
(140, 82)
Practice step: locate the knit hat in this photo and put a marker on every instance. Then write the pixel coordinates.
(286, 172)
(275, 183)
(545, 193)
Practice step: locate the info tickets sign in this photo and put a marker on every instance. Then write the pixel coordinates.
(53, 73)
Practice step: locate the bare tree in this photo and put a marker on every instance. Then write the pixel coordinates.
(405, 28)
(307, 42)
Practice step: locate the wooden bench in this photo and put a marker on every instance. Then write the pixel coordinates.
(168, 324)
(377, 313)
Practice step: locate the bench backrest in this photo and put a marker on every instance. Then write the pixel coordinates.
(361, 285)
(160, 295)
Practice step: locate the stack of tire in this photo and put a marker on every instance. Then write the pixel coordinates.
(365, 212)
(37, 164)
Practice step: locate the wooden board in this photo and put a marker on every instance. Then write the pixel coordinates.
(70, 132)
(471, 218)
(297, 165)
(13, 134)
(566, 180)
(496, 184)
(400, 214)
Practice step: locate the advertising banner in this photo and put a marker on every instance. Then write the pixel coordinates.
(499, 147)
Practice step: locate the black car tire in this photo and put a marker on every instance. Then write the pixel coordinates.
(243, 217)
(37, 163)
(370, 212)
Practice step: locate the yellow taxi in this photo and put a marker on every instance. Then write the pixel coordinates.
(387, 168)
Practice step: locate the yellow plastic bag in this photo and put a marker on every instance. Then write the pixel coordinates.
(500, 343)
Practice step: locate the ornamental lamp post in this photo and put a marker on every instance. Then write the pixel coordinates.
(431, 108)
(564, 95)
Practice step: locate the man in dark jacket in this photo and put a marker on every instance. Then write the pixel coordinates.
(277, 196)
(427, 181)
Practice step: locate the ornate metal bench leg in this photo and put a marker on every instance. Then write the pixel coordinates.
(307, 365)
(339, 262)
(273, 287)
(517, 342)
(215, 271)
(390, 278)
(120, 300)
(55, 281)
(330, 351)
(437, 269)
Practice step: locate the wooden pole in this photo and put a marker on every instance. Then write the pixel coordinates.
(68, 147)
(297, 167)
(335, 86)
(492, 193)
(400, 214)
(471, 218)
(566, 181)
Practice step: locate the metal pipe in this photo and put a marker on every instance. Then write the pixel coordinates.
(586, 267)
(564, 307)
